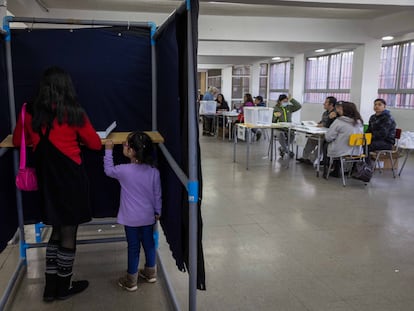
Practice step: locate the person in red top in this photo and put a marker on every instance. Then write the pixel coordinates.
(55, 124)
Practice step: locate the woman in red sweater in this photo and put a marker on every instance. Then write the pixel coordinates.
(56, 125)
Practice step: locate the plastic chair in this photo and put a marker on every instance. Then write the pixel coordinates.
(390, 154)
(356, 141)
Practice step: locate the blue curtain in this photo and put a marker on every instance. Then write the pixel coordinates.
(172, 94)
(111, 71)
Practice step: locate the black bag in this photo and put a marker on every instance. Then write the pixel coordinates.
(363, 171)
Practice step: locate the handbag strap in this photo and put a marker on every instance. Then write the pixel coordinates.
(23, 142)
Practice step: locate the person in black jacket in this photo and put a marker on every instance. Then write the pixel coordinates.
(382, 126)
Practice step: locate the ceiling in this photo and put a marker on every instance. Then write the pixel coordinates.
(244, 31)
(314, 9)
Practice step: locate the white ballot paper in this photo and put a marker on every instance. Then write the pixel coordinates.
(104, 134)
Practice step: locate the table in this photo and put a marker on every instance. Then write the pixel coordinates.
(116, 137)
(248, 127)
(408, 150)
(314, 132)
(228, 114)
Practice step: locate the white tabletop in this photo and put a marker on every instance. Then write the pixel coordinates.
(310, 129)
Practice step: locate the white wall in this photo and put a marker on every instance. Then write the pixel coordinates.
(255, 80)
(365, 76)
(226, 74)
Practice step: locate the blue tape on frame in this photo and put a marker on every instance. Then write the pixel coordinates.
(153, 27)
(193, 191)
(23, 248)
(188, 5)
(6, 27)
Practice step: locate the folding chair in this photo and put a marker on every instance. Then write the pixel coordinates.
(359, 144)
(390, 154)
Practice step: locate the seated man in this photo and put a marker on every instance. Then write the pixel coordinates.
(283, 113)
(258, 102)
(382, 126)
(208, 124)
(310, 151)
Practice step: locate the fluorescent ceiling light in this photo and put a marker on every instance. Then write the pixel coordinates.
(276, 58)
(387, 38)
(320, 50)
(312, 58)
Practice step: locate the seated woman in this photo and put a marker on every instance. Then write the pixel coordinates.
(382, 126)
(348, 122)
(222, 104)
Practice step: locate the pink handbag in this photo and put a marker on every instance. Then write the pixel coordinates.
(26, 176)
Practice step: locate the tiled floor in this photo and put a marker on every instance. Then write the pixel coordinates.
(274, 239)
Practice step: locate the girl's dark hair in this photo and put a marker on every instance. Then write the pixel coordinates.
(350, 110)
(281, 97)
(56, 98)
(381, 100)
(142, 144)
(249, 97)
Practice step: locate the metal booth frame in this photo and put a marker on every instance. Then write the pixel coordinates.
(190, 182)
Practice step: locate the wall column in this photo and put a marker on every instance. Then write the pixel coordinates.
(226, 82)
(365, 73)
(297, 83)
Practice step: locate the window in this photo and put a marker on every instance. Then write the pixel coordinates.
(240, 84)
(214, 78)
(396, 82)
(279, 79)
(263, 80)
(328, 75)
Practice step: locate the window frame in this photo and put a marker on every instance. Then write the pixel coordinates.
(322, 93)
(286, 83)
(397, 97)
(236, 101)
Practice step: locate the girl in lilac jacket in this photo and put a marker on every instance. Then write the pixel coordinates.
(140, 203)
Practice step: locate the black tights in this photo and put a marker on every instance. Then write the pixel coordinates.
(65, 236)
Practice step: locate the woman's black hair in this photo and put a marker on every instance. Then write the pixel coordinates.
(142, 144)
(350, 110)
(222, 96)
(249, 97)
(56, 98)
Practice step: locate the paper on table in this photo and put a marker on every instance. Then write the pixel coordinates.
(104, 134)
(309, 123)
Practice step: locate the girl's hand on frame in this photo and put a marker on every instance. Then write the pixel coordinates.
(109, 144)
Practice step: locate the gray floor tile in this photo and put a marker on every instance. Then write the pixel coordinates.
(275, 238)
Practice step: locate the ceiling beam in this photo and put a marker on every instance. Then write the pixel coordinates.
(358, 4)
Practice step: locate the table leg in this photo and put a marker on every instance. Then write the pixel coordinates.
(216, 126)
(234, 143)
(405, 160)
(288, 148)
(318, 165)
(224, 125)
(249, 134)
(271, 144)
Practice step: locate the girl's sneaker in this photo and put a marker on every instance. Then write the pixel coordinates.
(129, 282)
(149, 274)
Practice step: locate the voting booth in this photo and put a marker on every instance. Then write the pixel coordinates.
(135, 73)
